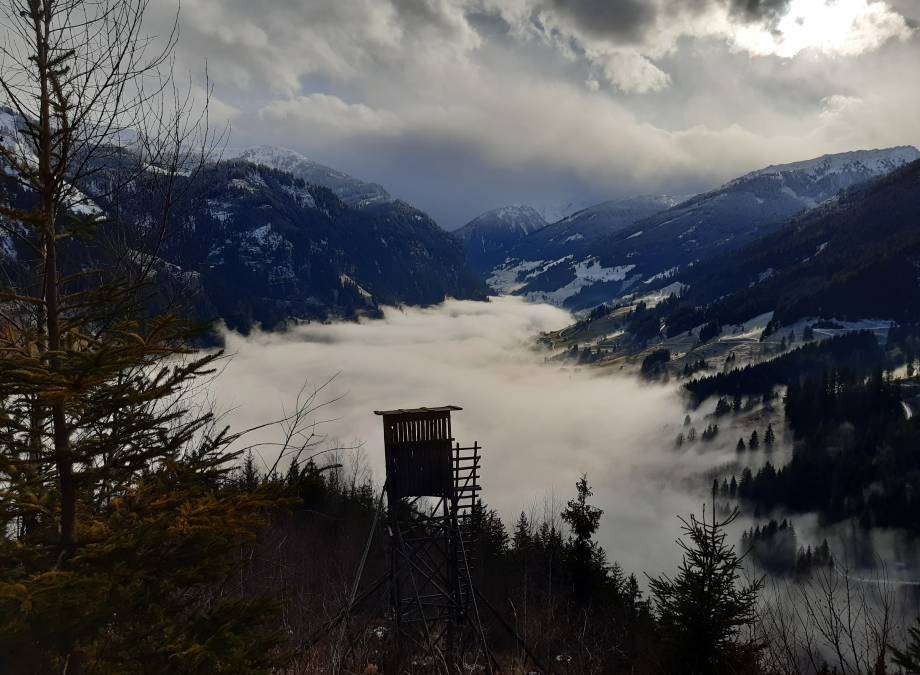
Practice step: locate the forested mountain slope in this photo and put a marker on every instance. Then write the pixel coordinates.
(857, 256)
(651, 252)
(489, 238)
(269, 247)
(253, 244)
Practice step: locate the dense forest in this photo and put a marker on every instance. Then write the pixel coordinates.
(575, 610)
(853, 443)
(855, 454)
(858, 352)
(842, 259)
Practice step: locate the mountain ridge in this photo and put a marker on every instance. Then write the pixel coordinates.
(252, 244)
(353, 191)
(651, 252)
(489, 237)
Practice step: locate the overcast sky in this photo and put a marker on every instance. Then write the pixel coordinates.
(459, 106)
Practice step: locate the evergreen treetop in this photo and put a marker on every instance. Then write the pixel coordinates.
(704, 610)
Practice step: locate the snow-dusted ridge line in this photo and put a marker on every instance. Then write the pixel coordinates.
(513, 219)
(877, 161)
(353, 191)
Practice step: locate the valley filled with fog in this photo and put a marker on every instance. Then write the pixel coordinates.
(541, 425)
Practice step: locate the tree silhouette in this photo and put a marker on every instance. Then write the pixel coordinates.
(909, 658)
(119, 517)
(769, 438)
(703, 610)
(586, 559)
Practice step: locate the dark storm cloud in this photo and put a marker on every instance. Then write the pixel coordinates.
(622, 19)
(759, 11)
(630, 20)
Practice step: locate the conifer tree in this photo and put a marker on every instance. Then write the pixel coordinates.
(118, 510)
(249, 477)
(582, 518)
(909, 658)
(521, 537)
(704, 610)
(740, 447)
(587, 560)
(754, 441)
(769, 438)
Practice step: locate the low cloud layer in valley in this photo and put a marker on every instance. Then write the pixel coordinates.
(541, 425)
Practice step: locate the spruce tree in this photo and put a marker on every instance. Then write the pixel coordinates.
(119, 511)
(249, 477)
(587, 560)
(704, 611)
(740, 447)
(909, 657)
(769, 438)
(522, 536)
(754, 441)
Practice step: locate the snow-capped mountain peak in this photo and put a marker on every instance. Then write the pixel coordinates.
(708, 225)
(864, 162)
(489, 237)
(351, 190)
(516, 218)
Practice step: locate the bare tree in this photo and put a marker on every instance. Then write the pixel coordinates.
(831, 618)
(85, 88)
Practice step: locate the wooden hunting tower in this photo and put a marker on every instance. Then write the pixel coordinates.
(419, 452)
(431, 488)
(432, 485)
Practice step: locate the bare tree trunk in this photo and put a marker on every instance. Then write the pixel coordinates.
(41, 14)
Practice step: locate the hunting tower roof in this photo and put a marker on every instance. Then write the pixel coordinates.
(418, 411)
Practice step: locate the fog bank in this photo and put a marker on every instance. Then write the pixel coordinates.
(540, 425)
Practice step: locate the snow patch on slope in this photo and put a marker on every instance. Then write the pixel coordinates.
(587, 273)
(509, 277)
